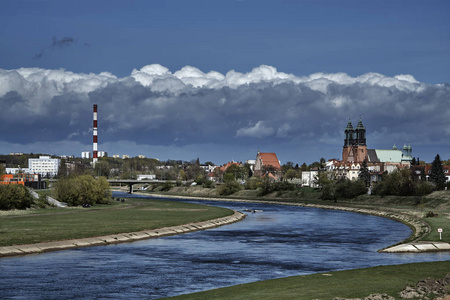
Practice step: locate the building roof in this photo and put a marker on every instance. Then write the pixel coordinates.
(229, 164)
(372, 156)
(270, 159)
(360, 124)
(392, 156)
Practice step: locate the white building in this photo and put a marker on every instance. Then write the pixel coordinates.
(44, 165)
(146, 177)
(86, 154)
(17, 170)
(102, 154)
(309, 178)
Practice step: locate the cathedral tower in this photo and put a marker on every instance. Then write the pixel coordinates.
(355, 148)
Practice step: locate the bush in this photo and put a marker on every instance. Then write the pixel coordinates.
(399, 183)
(328, 191)
(431, 214)
(82, 189)
(14, 196)
(266, 187)
(350, 189)
(228, 188)
(424, 188)
(42, 202)
(252, 183)
(208, 184)
(166, 186)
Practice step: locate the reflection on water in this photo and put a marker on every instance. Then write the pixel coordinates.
(281, 241)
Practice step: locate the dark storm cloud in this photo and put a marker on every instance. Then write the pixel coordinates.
(56, 44)
(262, 108)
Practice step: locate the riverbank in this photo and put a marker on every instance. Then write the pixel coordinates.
(124, 220)
(414, 244)
(118, 238)
(417, 280)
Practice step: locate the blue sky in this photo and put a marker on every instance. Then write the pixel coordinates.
(338, 41)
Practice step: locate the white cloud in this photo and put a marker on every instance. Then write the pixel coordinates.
(155, 106)
(259, 130)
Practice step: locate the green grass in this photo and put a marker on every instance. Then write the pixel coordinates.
(53, 224)
(347, 284)
(435, 223)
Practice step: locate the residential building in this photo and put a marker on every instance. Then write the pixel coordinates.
(309, 178)
(44, 166)
(17, 170)
(86, 154)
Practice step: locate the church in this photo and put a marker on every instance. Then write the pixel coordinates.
(355, 152)
(355, 149)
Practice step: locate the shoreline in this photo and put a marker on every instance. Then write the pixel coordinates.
(419, 227)
(119, 237)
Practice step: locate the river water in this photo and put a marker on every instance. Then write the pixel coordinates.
(281, 241)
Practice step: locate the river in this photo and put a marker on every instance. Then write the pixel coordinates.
(278, 242)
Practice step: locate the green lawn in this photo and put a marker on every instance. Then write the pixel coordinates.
(357, 283)
(438, 222)
(43, 225)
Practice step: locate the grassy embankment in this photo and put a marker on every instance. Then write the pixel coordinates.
(437, 202)
(54, 224)
(357, 283)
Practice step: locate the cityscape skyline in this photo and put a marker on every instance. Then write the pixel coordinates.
(220, 81)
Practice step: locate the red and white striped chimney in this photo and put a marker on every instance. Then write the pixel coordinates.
(95, 152)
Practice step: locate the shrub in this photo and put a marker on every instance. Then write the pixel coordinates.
(350, 189)
(424, 188)
(228, 188)
(208, 184)
(431, 214)
(252, 183)
(83, 189)
(328, 191)
(14, 196)
(42, 202)
(166, 186)
(266, 187)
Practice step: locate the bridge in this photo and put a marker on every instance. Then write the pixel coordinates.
(130, 182)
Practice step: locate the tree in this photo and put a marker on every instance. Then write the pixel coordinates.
(364, 173)
(290, 174)
(437, 175)
(102, 168)
(84, 189)
(397, 183)
(287, 166)
(304, 167)
(14, 196)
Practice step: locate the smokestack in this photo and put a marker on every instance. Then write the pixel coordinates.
(95, 152)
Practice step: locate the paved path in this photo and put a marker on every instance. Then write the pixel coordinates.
(118, 238)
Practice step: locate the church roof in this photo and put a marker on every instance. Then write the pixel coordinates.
(360, 125)
(270, 159)
(392, 156)
(349, 126)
